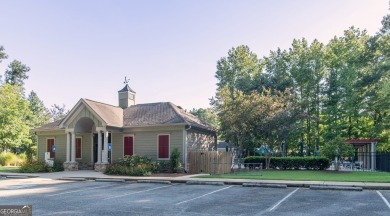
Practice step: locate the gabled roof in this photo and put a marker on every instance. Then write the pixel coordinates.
(140, 115)
(111, 115)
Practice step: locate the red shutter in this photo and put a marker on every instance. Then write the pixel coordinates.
(163, 146)
(78, 147)
(50, 143)
(128, 146)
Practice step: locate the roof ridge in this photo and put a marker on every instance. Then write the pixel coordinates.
(101, 103)
(176, 111)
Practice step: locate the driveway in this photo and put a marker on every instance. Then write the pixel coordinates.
(128, 198)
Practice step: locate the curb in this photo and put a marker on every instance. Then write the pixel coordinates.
(370, 187)
(342, 188)
(217, 183)
(154, 181)
(264, 185)
(17, 177)
(73, 179)
(109, 180)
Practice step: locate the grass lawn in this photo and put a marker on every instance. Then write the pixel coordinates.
(308, 175)
(12, 169)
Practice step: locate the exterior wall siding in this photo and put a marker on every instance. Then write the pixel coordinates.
(59, 141)
(146, 141)
(117, 146)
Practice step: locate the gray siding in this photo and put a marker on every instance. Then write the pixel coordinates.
(146, 140)
(60, 142)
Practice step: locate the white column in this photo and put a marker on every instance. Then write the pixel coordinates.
(68, 146)
(73, 155)
(99, 150)
(105, 151)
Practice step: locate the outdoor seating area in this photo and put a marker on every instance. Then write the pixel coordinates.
(349, 166)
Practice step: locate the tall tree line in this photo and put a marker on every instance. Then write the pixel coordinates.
(20, 114)
(317, 94)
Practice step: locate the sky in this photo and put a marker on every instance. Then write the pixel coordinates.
(169, 49)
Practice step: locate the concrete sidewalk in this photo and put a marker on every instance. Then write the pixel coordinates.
(92, 175)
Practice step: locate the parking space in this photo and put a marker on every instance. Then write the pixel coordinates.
(113, 198)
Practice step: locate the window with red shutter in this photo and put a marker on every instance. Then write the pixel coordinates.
(78, 148)
(163, 146)
(128, 146)
(50, 144)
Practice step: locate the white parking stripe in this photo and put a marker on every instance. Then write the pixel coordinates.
(384, 199)
(136, 192)
(280, 202)
(202, 195)
(68, 192)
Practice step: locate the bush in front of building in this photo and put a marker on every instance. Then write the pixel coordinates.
(316, 163)
(162, 166)
(35, 167)
(132, 166)
(175, 161)
(58, 166)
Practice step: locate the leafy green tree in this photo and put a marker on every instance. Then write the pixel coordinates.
(238, 70)
(3, 55)
(40, 115)
(336, 149)
(14, 113)
(250, 120)
(206, 115)
(277, 75)
(308, 71)
(16, 73)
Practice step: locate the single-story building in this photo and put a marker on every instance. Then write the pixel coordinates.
(94, 134)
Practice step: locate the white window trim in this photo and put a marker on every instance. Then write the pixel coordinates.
(123, 144)
(169, 146)
(53, 138)
(81, 148)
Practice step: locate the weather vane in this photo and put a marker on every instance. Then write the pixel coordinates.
(126, 80)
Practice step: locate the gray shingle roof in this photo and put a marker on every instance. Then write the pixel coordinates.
(140, 115)
(112, 115)
(50, 126)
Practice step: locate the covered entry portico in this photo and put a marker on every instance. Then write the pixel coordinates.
(87, 121)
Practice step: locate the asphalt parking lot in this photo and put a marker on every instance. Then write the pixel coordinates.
(118, 198)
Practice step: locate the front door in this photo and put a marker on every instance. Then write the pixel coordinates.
(95, 147)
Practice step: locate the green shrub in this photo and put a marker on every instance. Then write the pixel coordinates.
(175, 161)
(9, 158)
(58, 166)
(34, 167)
(162, 166)
(133, 166)
(317, 163)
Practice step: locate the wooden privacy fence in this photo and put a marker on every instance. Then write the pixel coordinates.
(212, 162)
